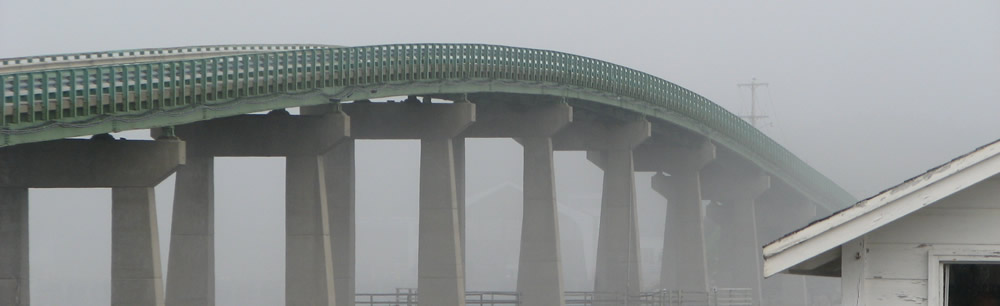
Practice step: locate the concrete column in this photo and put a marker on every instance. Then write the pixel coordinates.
(539, 275)
(618, 244)
(740, 263)
(440, 270)
(14, 272)
(458, 149)
(191, 267)
(781, 210)
(339, 164)
(135, 248)
(684, 265)
(308, 258)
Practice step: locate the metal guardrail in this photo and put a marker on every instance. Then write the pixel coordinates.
(717, 297)
(408, 296)
(70, 60)
(77, 101)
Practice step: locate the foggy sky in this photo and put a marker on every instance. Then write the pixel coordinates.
(869, 93)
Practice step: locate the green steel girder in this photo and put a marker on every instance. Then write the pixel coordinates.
(76, 101)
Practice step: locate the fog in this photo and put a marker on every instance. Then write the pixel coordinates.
(867, 93)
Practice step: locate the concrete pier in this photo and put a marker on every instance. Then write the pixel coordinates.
(440, 267)
(14, 273)
(539, 274)
(684, 264)
(739, 264)
(458, 149)
(129, 167)
(308, 256)
(191, 265)
(135, 248)
(304, 140)
(339, 163)
(780, 210)
(609, 145)
(618, 240)
(440, 270)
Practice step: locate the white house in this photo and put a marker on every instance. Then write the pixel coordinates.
(932, 240)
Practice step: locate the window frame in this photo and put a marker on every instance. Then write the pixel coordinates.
(938, 258)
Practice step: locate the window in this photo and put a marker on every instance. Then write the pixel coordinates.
(964, 277)
(972, 284)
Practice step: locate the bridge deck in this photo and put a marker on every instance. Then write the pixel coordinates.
(74, 97)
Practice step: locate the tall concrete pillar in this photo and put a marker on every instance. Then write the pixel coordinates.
(740, 264)
(609, 145)
(458, 149)
(308, 258)
(539, 275)
(684, 264)
(618, 241)
(781, 210)
(191, 265)
(440, 269)
(339, 163)
(14, 272)
(135, 248)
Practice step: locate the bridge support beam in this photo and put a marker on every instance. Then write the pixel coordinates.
(610, 147)
(339, 163)
(308, 256)
(618, 239)
(135, 248)
(740, 261)
(305, 141)
(440, 267)
(539, 274)
(191, 265)
(684, 264)
(781, 210)
(458, 149)
(131, 169)
(14, 272)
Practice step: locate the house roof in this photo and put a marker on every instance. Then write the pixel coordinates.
(815, 249)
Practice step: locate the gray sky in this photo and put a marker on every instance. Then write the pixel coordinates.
(869, 93)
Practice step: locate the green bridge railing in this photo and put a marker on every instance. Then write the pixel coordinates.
(99, 97)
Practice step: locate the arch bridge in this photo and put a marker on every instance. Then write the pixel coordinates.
(202, 102)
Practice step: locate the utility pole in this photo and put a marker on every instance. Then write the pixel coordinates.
(753, 101)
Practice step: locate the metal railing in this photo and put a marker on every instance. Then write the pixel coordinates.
(408, 296)
(69, 60)
(717, 297)
(56, 103)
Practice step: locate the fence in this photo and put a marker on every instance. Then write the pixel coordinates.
(408, 296)
(716, 297)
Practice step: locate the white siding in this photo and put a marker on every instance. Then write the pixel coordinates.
(896, 260)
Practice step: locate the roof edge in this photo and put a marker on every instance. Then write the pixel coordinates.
(885, 207)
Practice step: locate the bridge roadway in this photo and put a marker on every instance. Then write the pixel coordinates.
(198, 101)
